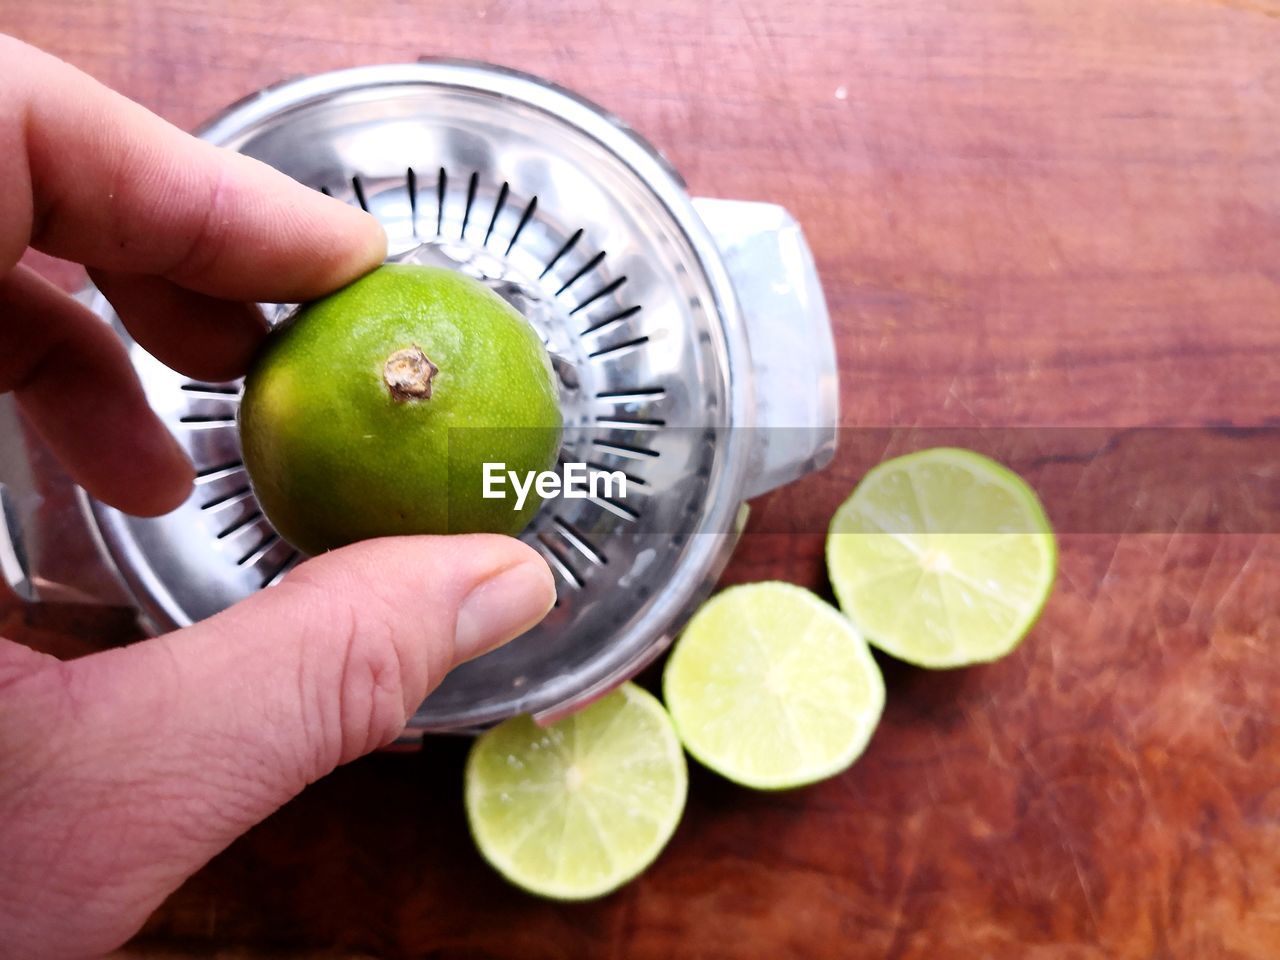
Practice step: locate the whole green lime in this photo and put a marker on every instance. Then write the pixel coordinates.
(373, 412)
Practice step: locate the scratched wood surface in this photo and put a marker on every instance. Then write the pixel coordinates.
(1025, 214)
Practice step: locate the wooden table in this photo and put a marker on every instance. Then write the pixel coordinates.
(1025, 213)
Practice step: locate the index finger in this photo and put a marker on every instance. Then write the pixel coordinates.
(113, 186)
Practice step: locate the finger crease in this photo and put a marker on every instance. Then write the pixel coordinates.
(39, 367)
(205, 246)
(43, 204)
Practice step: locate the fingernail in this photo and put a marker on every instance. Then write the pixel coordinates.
(379, 242)
(503, 607)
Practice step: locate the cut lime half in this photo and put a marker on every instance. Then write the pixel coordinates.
(942, 558)
(575, 810)
(772, 688)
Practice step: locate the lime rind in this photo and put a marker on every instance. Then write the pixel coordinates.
(772, 688)
(999, 549)
(374, 410)
(584, 841)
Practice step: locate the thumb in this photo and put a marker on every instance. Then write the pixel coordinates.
(127, 770)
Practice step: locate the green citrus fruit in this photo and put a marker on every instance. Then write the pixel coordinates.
(943, 558)
(372, 412)
(575, 810)
(772, 688)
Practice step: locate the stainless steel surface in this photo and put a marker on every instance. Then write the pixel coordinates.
(16, 502)
(50, 548)
(793, 353)
(587, 230)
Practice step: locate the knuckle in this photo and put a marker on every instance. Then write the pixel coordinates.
(371, 690)
(352, 677)
(205, 244)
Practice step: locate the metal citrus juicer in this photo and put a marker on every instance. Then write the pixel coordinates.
(690, 336)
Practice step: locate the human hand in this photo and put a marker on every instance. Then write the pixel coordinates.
(123, 772)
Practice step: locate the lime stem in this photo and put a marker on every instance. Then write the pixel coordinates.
(408, 374)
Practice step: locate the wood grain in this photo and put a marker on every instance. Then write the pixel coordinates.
(1025, 214)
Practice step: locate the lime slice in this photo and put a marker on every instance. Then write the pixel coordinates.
(772, 688)
(943, 558)
(575, 810)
